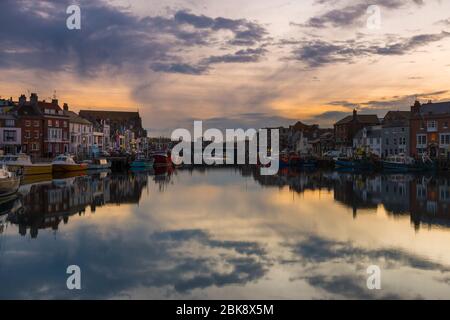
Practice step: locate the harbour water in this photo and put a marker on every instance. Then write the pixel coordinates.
(219, 233)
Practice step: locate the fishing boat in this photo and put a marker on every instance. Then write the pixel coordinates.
(22, 163)
(9, 182)
(142, 162)
(98, 164)
(65, 163)
(405, 163)
(162, 159)
(357, 164)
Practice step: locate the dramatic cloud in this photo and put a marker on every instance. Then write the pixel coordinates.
(351, 14)
(316, 53)
(112, 37)
(241, 56)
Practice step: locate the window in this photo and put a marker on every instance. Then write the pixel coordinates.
(10, 123)
(445, 139)
(65, 124)
(27, 123)
(387, 141)
(432, 125)
(36, 134)
(34, 147)
(49, 123)
(27, 134)
(9, 135)
(36, 123)
(57, 123)
(421, 139)
(446, 125)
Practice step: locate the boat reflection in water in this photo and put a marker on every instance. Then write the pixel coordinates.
(227, 232)
(49, 203)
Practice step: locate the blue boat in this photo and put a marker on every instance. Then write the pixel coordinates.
(360, 164)
(142, 162)
(402, 163)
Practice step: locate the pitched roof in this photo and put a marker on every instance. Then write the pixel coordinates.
(362, 118)
(397, 118)
(111, 115)
(74, 118)
(435, 108)
(28, 110)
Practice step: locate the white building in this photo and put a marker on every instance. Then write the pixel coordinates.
(369, 139)
(81, 134)
(10, 134)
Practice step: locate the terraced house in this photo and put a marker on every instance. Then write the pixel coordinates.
(430, 131)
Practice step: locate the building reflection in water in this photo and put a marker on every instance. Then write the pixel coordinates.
(47, 204)
(425, 198)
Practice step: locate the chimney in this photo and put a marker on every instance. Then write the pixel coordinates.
(416, 107)
(34, 98)
(22, 100)
(66, 107)
(55, 102)
(355, 114)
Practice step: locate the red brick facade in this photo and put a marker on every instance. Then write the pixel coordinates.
(430, 130)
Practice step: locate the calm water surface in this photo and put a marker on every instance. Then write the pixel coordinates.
(227, 233)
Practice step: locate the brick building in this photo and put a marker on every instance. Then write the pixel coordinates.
(31, 123)
(430, 131)
(55, 127)
(346, 129)
(45, 127)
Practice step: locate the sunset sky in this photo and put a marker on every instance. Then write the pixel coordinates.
(231, 63)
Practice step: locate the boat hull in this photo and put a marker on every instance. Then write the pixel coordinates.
(141, 164)
(400, 167)
(162, 161)
(361, 165)
(9, 186)
(28, 170)
(99, 166)
(69, 167)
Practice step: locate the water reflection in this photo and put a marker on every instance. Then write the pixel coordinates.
(226, 233)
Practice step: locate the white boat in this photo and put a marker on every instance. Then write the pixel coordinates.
(22, 163)
(9, 182)
(65, 163)
(98, 164)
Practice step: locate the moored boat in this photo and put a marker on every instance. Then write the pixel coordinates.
(98, 164)
(357, 164)
(9, 182)
(65, 163)
(162, 159)
(142, 162)
(403, 163)
(22, 163)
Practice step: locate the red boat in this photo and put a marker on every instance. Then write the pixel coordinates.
(162, 159)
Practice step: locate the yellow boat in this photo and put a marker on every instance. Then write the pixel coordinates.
(21, 163)
(65, 163)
